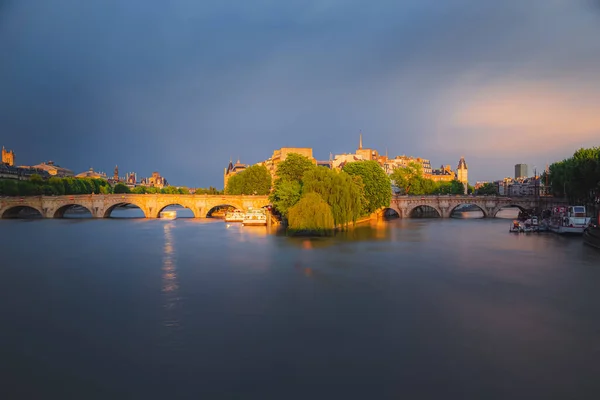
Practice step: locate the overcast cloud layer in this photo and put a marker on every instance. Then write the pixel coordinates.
(181, 86)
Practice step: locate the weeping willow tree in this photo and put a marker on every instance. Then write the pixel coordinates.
(311, 215)
(341, 191)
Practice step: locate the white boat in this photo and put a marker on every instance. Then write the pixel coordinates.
(235, 216)
(168, 214)
(570, 219)
(255, 217)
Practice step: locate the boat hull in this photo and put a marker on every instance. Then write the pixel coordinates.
(569, 230)
(254, 222)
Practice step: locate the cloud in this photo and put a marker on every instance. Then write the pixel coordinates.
(182, 86)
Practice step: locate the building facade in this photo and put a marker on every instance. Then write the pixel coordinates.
(462, 173)
(443, 174)
(231, 170)
(91, 174)
(155, 180)
(8, 157)
(53, 169)
(521, 171)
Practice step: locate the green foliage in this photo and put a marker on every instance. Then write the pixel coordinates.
(169, 190)
(121, 188)
(53, 186)
(377, 188)
(145, 189)
(311, 215)
(293, 167)
(209, 190)
(488, 188)
(285, 195)
(341, 191)
(37, 179)
(253, 180)
(409, 179)
(578, 177)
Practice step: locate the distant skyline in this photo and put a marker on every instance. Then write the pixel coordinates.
(180, 87)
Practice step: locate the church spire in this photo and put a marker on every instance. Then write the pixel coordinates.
(360, 141)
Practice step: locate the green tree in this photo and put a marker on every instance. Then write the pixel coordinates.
(285, 195)
(121, 188)
(57, 185)
(577, 177)
(488, 188)
(377, 187)
(293, 167)
(10, 188)
(37, 179)
(253, 180)
(209, 190)
(169, 190)
(409, 178)
(311, 215)
(343, 193)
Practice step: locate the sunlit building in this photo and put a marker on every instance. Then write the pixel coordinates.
(8, 157)
(231, 170)
(91, 174)
(155, 180)
(53, 169)
(443, 174)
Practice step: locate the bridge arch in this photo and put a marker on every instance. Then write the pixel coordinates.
(210, 209)
(60, 211)
(194, 210)
(506, 206)
(423, 209)
(388, 213)
(481, 208)
(22, 211)
(110, 209)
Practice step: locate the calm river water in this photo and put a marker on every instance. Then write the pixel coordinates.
(412, 309)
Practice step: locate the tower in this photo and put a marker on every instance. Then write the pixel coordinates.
(8, 157)
(116, 177)
(462, 173)
(360, 141)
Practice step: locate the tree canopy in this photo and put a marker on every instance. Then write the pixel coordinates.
(411, 180)
(488, 188)
(312, 215)
(121, 188)
(376, 184)
(253, 180)
(53, 186)
(341, 191)
(293, 167)
(285, 195)
(577, 177)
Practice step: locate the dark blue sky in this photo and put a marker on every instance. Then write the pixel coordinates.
(181, 86)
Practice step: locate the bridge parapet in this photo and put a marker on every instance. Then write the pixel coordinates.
(101, 205)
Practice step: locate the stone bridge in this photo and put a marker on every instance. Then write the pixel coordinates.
(445, 205)
(101, 205)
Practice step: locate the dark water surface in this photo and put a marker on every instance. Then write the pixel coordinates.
(413, 309)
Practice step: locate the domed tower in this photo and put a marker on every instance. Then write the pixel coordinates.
(462, 173)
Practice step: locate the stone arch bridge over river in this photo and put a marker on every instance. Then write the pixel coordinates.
(101, 206)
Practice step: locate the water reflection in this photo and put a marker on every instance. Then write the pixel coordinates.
(170, 285)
